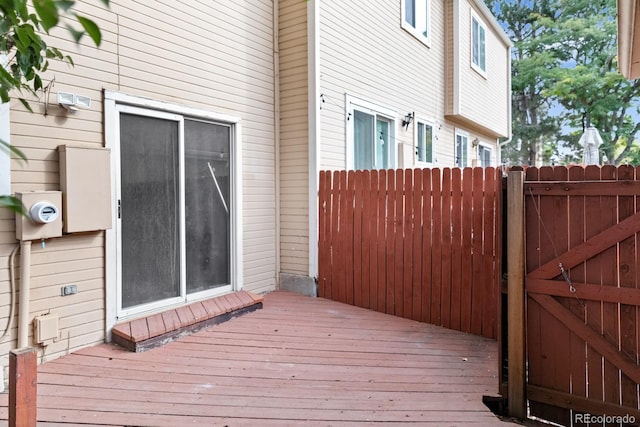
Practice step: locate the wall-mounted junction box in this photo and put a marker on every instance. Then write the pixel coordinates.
(45, 328)
(46, 209)
(85, 181)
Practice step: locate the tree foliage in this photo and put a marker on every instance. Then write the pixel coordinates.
(23, 24)
(565, 78)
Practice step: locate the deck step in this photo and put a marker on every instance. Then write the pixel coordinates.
(160, 328)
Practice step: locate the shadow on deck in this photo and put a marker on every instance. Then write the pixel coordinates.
(298, 361)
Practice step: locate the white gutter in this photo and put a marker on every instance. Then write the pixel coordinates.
(626, 29)
(313, 55)
(276, 127)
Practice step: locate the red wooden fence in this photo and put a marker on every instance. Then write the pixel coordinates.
(583, 327)
(420, 244)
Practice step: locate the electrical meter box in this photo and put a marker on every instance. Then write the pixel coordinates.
(44, 215)
(85, 181)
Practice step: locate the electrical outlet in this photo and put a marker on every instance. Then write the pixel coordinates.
(69, 290)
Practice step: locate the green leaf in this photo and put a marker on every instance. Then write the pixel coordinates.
(77, 35)
(47, 12)
(65, 4)
(5, 145)
(26, 104)
(91, 28)
(37, 82)
(13, 204)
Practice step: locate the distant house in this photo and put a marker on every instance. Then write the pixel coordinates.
(192, 171)
(382, 84)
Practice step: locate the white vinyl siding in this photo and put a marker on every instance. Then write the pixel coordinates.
(366, 67)
(294, 139)
(214, 56)
(475, 98)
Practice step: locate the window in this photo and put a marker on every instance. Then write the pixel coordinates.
(424, 143)
(462, 150)
(478, 45)
(415, 18)
(484, 155)
(371, 138)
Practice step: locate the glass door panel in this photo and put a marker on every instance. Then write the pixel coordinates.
(150, 220)
(207, 205)
(363, 140)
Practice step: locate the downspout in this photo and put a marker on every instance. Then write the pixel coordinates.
(509, 108)
(313, 58)
(25, 287)
(276, 126)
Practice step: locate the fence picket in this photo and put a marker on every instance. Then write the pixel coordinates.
(476, 257)
(467, 230)
(418, 230)
(436, 254)
(627, 279)
(407, 280)
(383, 238)
(445, 289)
(456, 248)
(398, 273)
(427, 239)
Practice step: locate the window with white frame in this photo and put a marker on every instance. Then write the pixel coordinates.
(478, 45)
(425, 153)
(462, 149)
(370, 136)
(485, 153)
(416, 18)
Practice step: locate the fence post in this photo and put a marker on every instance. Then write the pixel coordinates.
(23, 383)
(515, 296)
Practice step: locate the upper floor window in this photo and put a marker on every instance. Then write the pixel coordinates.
(416, 19)
(424, 143)
(371, 136)
(478, 45)
(462, 150)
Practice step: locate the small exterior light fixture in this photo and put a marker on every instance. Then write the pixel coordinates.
(71, 102)
(407, 120)
(475, 142)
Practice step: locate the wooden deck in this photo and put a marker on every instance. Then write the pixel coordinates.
(298, 361)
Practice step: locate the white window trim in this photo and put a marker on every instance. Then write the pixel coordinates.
(371, 108)
(417, 120)
(492, 150)
(412, 30)
(482, 24)
(112, 101)
(455, 151)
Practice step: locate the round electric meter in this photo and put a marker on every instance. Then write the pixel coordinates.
(43, 212)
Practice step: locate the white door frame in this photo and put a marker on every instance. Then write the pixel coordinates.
(114, 103)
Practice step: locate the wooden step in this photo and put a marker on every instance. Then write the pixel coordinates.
(160, 328)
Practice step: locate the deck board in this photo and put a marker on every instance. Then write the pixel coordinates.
(298, 361)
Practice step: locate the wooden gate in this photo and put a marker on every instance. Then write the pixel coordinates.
(583, 292)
